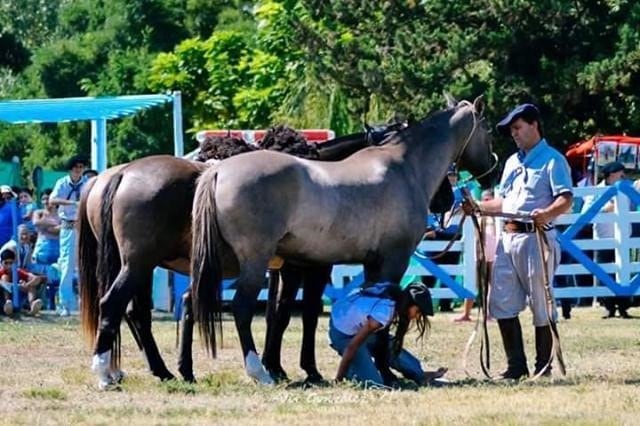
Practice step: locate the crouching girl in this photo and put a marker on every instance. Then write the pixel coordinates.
(359, 332)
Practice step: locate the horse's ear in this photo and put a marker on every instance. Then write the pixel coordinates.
(478, 104)
(451, 101)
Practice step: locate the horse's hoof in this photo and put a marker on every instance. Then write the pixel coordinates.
(187, 375)
(165, 376)
(118, 376)
(108, 385)
(278, 375)
(314, 378)
(256, 370)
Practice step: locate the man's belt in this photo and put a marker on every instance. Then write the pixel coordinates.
(515, 226)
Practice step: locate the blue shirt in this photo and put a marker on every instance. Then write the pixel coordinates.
(68, 190)
(350, 313)
(6, 223)
(533, 180)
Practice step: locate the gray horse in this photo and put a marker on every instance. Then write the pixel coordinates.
(368, 209)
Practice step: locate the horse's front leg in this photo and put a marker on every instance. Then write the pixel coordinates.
(139, 320)
(315, 281)
(248, 287)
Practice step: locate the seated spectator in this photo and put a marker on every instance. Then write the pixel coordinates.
(26, 207)
(6, 192)
(25, 247)
(28, 284)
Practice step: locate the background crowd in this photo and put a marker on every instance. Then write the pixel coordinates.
(41, 251)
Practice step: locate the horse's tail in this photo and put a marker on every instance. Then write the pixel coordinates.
(108, 266)
(87, 260)
(206, 264)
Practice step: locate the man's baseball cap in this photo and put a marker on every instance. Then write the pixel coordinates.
(527, 111)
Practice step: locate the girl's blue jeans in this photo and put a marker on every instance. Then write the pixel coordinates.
(362, 367)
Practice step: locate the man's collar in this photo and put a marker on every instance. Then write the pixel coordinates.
(533, 152)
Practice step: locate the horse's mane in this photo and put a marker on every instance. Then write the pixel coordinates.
(279, 138)
(285, 139)
(221, 147)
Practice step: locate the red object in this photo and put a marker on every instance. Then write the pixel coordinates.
(252, 136)
(579, 154)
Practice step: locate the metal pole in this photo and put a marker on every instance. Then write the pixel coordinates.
(94, 144)
(16, 264)
(178, 142)
(99, 144)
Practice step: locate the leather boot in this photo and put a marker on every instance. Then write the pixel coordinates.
(544, 346)
(514, 348)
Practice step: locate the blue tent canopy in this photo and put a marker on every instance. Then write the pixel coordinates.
(98, 110)
(74, 109)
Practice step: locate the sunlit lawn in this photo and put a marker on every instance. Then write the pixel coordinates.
(46, 380)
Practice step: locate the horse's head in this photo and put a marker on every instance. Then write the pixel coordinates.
(475, 152)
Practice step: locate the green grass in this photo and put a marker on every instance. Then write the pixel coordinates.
(46, 380)
(45, 393)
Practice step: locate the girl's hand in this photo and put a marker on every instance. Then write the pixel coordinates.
(369, 327)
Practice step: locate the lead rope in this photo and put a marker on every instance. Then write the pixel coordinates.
(483, 280)
(482, 274)
(556, 349)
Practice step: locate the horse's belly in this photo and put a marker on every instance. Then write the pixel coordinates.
(325, 248)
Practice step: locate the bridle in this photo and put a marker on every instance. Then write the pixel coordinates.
(476, 125)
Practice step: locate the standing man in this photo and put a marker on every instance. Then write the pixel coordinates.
(66, 195)
(536, 182)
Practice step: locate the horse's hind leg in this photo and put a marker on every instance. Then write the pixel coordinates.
(112, 308)
(185, 357)
(279, 319)
(248, 286)
(139, 320)
(315, 280)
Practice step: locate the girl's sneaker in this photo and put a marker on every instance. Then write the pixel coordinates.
(36, 305)
(8, 307)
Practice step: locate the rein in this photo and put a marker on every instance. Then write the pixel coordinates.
(483, 281)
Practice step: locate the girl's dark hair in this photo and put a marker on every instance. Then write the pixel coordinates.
(401, 318)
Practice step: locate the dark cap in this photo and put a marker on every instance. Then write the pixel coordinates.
(76, 159)
(612, 167)
(452, 170)
(527, 111)
(422, 297)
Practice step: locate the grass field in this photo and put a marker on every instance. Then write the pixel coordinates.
(45, 379)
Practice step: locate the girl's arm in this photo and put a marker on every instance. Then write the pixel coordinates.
(370, 327)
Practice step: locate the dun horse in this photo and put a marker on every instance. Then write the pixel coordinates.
(368, 209)
(136, 216)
